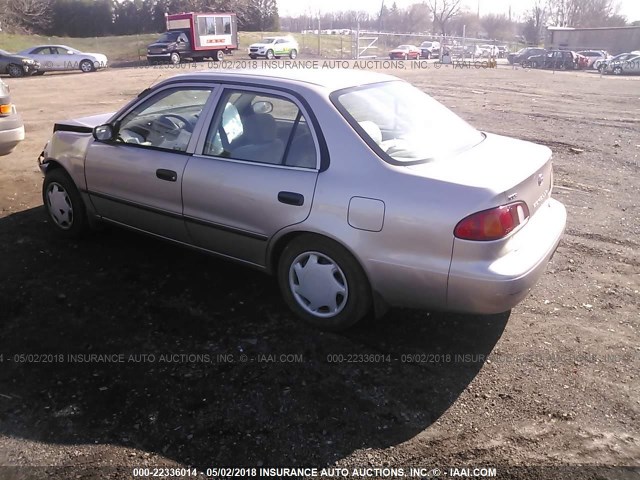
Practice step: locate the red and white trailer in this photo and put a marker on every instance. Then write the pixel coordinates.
(196, 36)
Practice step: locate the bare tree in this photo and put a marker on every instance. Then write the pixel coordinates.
(443, 11)
(25, 15)
(583, 13)
(535, 21)
(497, 26)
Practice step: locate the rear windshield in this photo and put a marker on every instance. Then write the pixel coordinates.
(403, 124)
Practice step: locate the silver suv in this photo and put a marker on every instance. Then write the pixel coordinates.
(11, 128)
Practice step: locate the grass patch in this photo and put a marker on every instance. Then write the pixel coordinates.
(133, 47)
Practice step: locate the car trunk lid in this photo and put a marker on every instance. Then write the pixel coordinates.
(508, 169)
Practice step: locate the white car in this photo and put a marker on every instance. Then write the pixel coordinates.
(274, 47)
(61, 57)
(489, 51)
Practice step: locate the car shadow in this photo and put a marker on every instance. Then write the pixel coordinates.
(125, 340)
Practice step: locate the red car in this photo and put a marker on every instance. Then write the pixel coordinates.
(405, 52)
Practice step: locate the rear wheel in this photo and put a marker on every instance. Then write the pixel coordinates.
(64, 204)
(322, 283)
(427, 55)
(218, 56)
(15, 71)
(293, 54)
(86, 66)
(617, 71)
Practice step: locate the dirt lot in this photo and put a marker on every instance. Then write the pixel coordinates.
(555, 383)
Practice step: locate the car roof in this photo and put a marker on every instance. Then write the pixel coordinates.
(330, 79)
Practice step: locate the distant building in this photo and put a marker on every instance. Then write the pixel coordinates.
(612, 39)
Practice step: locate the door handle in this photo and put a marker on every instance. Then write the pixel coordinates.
(291, 198)
(168, 175)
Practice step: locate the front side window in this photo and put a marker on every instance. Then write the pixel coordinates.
(165, 120)
(403, 124)
(261, 128)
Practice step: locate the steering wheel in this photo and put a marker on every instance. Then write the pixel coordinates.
(173, 128)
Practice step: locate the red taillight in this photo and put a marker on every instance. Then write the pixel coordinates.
(492, 224)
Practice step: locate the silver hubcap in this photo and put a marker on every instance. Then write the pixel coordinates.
(318, 284)
(86, 67)
(59, 205)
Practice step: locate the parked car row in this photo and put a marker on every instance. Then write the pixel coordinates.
(557, 60)
(535, 57)
(49, 58)
(625, 63)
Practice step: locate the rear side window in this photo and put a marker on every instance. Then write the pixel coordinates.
(261, 128)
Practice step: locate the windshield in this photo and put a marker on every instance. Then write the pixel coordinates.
(426, 44)
(4, 52)
(403, 124)
(169, 37)
(268, 40)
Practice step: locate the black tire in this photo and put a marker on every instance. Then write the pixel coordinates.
(427, 55)
(15, 71)
(253, 57)
(352, 306)
(38, 73)
(87, 66)
(58, 187)
(617, 71)
(218, 56)
(293, 54)
(174, 58)
(269, 55)
(534, 64)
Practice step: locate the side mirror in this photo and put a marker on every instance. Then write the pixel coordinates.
(104, 133)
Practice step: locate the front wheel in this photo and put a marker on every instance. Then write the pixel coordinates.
(293, 54)
(427, 55)
(322, 283)
(86, 66)
(617, 71)
(174, 58)
(15, 71)
(64, 204)
(270, 55)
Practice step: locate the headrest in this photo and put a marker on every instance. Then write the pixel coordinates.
(372, 130)
(260, 128)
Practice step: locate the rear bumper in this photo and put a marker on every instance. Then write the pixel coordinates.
(10, 138)
(492, 285)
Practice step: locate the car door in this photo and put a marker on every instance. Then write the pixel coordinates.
(254, 173)
(136, 179)
(45, 57)
(282, 47)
